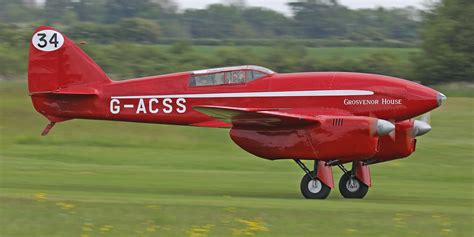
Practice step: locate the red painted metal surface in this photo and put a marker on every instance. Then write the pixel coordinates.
(325, 174)
(362, 173)
(66, 84)
(401, 144)
(344, 138)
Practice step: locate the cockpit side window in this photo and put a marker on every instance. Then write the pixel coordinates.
(229, 77)
(253, 75)
(237, 77)
(219, 78)
(207, 80)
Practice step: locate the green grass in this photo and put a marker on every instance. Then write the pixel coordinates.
(90, 178)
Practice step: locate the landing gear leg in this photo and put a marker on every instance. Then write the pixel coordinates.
(312, 187)
(354, 183)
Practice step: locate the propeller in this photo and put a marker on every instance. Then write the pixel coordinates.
(422, 126)
(426, 118)
(381, 127)
(384, 127)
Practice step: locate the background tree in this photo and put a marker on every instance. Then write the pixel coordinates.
(56, 11)
(138, 30)
(118, 9)
(448, 43)
(267, 23)
(250, 35)
(320, 18)
(89, 10)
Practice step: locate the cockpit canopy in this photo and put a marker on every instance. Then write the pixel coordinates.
(228, 75)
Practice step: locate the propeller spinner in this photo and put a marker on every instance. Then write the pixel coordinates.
(422, 127)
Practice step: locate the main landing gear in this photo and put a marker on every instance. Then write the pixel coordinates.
(317, 183)
(311, 185)
(350, 186)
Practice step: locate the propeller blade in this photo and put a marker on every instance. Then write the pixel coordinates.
(426, 118)
(393, 134)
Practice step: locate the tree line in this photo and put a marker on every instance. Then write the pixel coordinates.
(148, 21)
(119, 29)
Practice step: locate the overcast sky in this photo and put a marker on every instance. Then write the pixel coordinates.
(280, 5)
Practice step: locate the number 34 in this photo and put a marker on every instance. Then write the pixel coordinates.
(48, 40)
(43, 43)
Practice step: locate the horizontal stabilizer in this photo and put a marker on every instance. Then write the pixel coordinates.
(72, 90)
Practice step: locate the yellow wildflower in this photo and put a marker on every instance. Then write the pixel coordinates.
(446, 223)
(106, 228)
(65, 205)
(251, 227)
(151, 228)
(87, 227)
(200, 231)
(40, 197)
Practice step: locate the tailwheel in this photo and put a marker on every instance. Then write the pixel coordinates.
(313, 188)
(351, 187)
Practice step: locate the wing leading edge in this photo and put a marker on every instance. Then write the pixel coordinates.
(250, 117)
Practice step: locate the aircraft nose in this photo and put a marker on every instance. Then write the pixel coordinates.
(441, 98)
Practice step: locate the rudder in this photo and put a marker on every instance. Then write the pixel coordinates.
(56, 62)
(60, 76)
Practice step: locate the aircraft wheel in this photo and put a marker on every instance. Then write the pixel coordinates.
(313, 188)
(351, 187)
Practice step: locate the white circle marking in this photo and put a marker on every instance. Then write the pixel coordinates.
(47, 40)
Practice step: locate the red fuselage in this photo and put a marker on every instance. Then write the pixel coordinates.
(169, 99)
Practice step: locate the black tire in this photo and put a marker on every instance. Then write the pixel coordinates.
(321, 190)
(357, 190)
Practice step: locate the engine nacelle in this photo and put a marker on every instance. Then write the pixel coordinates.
(342, 138)
(399, 146)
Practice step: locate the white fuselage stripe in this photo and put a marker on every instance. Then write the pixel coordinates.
(256, 94)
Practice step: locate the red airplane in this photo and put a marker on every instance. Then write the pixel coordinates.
(331, 118)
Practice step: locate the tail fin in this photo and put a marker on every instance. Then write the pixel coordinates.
(60, 74)
(56, 63)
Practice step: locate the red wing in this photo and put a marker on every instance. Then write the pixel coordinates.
(255, 117)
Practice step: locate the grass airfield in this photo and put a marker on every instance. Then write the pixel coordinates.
(93, 178)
